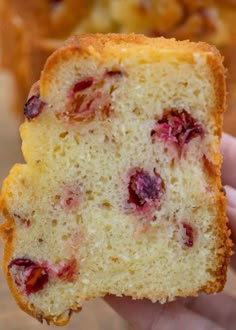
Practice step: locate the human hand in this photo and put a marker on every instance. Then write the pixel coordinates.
(216, 312)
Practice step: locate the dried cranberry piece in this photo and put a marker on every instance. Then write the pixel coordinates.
(90, 96)
(84, 106)
(189, 235)
(24, 221)
(36, 280)
(83, 84)
(69, 197)
(67, 271)
(144, 188)
(33, 107)
(28, 275)
(21, 262)
(177, 127)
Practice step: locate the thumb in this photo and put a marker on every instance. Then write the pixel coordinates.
(145, 315)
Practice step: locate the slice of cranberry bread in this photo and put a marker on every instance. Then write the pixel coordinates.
(121, 190)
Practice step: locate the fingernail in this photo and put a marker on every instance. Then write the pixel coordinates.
(231, 196)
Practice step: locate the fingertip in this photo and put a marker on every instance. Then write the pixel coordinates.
(231, 196)
(228, 147)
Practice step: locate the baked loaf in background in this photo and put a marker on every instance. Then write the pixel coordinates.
(121, 190)
(32, 30)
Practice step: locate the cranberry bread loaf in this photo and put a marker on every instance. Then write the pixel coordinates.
(32, 30)
(121, 190)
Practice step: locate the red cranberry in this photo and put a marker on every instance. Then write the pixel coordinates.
(177, 127)
(144, 188)
(83, 84)
(189, 235)
(90, 96)
(36, 280)
(28, 275)
(70, 197)
(33, 107)
(67, 271)
(84, 106)
(24, 221)
(70, 201)
(21, 262)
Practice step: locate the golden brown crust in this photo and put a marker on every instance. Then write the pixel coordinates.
(98, 41)
(224, 242)
(104, 45)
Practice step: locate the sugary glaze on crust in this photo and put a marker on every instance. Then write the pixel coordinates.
(103, 49)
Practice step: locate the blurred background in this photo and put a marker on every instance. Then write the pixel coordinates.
(30, 30)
